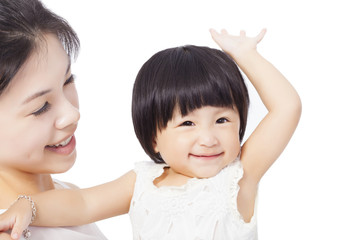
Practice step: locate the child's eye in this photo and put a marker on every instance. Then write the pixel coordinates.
(187, 123)
(222, 120)
(42, 110)
(71, 79)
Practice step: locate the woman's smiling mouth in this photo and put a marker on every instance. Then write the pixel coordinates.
(65, 147)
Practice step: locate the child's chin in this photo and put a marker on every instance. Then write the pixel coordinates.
(206, 174)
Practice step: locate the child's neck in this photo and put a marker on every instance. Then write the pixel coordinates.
(171, 178)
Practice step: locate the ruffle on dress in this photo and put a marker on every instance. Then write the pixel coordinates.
(200, 209)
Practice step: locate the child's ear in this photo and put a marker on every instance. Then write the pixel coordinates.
(155, 147)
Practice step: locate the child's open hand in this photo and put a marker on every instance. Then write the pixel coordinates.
(236, 46)
(17, 218)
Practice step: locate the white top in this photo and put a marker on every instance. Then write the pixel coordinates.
(85, 232)
(201, 209)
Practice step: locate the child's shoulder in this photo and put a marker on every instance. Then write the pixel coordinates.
(148, 167)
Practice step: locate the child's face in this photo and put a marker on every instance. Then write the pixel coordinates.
(37, 110)
(201, 143)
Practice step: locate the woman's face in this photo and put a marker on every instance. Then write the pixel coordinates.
(38, 111)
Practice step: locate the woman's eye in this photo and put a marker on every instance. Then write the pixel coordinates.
(71, 79)
(187, 123)
(42, 110)
(222, 120)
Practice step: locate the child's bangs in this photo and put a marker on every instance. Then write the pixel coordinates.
(190, 94)
(193, 78)
(203, 92)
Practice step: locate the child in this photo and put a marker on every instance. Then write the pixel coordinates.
(189, 111)
(38, 108)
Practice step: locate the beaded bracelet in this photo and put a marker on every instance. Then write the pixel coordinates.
(27, 234)
(33, 208)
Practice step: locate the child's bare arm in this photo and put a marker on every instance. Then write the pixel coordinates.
(73, 207)
(273, 133)
(81, 206)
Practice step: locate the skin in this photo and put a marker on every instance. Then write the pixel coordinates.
(199, 144)
(274, 132)
(258, 153)
(39, 108)
(5, 236)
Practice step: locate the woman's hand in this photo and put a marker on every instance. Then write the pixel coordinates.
(5, 236)
(17, 217)
(237, 46)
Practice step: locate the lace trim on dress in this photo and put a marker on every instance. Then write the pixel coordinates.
(232, 172)
(235, 175)
(150, 171)
(190, 210)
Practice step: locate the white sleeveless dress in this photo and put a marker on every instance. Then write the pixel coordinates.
(202, 209)
(85, 232)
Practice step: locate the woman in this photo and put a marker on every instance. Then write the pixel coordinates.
(38, 107)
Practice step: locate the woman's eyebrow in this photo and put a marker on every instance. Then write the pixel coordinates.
(41, 93)
(36, 95)
(68, 67)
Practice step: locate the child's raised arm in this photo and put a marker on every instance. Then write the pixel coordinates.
(273, 133)
(67, 207)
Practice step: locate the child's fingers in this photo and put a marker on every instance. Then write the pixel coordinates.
(261, 35)
(223, 31)
(214, 34)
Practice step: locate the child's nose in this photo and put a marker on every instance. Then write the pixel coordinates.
(207, 138)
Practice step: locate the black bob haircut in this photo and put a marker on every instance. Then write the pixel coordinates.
(189, 77)
(23, 24)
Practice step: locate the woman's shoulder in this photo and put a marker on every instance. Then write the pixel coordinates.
(64, 185)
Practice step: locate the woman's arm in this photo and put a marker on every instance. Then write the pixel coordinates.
(70, 207)
(283, 103)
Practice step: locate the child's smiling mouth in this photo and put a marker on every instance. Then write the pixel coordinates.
(206, 156)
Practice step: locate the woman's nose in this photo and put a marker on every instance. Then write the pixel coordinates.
(69, 115)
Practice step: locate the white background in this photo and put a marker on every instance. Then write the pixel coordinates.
(312, 191)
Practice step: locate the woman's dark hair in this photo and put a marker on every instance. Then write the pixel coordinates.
(189, 77)
(23, 24)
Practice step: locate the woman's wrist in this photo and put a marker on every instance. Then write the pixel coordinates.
(32, 206)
